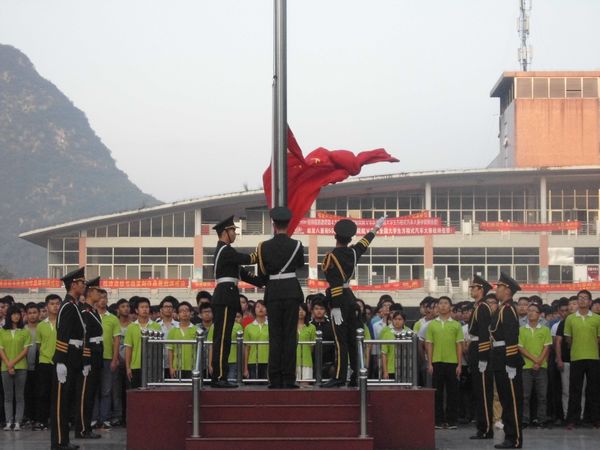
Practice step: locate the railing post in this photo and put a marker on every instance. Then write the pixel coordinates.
(397, 337)
(318, 365)
(362, 380)
(201, 338)
(239, 356)
(415, 363)
(161, 361)
(144, 358)
(197, 384)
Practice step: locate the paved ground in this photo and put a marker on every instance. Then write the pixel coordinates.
(554, 439)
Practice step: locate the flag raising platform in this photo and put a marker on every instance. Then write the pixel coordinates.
(260, 418)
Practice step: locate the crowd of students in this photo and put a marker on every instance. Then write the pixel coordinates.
(558, 342)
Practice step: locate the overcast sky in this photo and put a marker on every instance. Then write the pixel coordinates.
(180, 90)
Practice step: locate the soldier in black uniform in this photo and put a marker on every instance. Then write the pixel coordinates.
(89, 378)
(68, 359)
(278, 260)
(339, 266)
(479, 351)
(507, 362)
(226, 297)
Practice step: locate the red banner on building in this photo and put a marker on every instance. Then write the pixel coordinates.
(574, 287)
(150, 283)
(518, 226)
(31, 283)
(203, 285)
(393, 286)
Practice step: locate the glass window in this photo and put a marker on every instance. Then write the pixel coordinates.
(130, 251)
(156, 226)
(101, 232)
(590, 87)
(190, 219)
(145, 272)
(404, 202)
(524, 89)
(540, 88)
(127, 259)
(145, 226)
(573, 87)
(167, 223)
(101, 251)
(120, 272)
(325, 203)
(112, 231)
(134, 228)
(391, 203)
(379, 203)
(341, 203)
(366, 203)
(72, 245)
(71, 258)
(55, 257)
(353, 203)
(133, 272)
(178, 220)
(106, 271)
(146, 251)
(91, 233)
(186, 272)
(173, 272)
(123, 229)
(92, 271)
(557, 87)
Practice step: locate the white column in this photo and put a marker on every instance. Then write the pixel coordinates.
(543, 200)
(428, 196)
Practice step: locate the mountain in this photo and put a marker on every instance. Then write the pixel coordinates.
(53, 167)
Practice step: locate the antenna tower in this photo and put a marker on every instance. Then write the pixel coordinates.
(525, 50)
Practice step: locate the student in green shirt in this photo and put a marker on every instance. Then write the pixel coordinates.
(256, 356)
(388, 351)
(306, 332)
(14, 345)
(534, 344)
(582, 330)
(181, 356)
(45, 338)
(133, 341)
(444, 339)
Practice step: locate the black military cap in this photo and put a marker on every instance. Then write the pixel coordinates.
(509, 282)
(76, 275)
(480, 282)
(224, 225)
(281, 214)
(93, 283)
(345, 228)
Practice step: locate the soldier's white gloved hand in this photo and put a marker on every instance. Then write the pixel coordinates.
(380, 222)
(336, 316)
(61, 373)
(86, 370)
(511, 371)
(482, 366)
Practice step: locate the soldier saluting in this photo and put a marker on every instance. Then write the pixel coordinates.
(507, 362)
(278, 260)
(339, 266)
(479, 351)
(226, 298)
(88, 379)
(68, 359)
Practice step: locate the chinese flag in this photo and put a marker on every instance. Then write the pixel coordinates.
(307, 175)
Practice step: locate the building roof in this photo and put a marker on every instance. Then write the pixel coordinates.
(507, 77)
(354, 186)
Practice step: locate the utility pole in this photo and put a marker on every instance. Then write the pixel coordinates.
(525, 50)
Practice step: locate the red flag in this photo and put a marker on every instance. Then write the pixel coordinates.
(307, 175)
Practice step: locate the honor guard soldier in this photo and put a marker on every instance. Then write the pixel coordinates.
(278, 260)
(88, 379)
(68, 359)
(226, 297)
(479, 352)
(339, 266)
(507, 362)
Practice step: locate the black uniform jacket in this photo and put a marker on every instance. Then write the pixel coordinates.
(479, 326)
(93, 350)
(504, 327)
(69, 327)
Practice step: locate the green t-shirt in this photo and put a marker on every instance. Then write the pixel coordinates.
(13, 342)
(233, 352)
(534, 340)
(304, 351)
(110, 328)
(418, 324)
(387, 334)
(584, 332)
(256, 332)
(183, 354)
(444, 335)
(45, 338)
(133, 339)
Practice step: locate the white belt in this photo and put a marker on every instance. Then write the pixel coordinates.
(282, 276)
(498, 344)
(227, 280)
(76, 343)
(96, 340)
(473, 338)
(346, 285)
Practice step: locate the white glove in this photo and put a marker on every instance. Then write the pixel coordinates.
(336, 316)
(511, 371)
(61, 373)
(482, 366)
(86, 370)
(380, 222)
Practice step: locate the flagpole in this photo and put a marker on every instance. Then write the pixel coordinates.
(279, 158)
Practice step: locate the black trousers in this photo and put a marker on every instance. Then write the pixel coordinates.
(87, 388)
(136, 380)
(510, 393)
(30, 396)
(283, 340)
(590, 368)
(62, 406)
(445, 380)
(345, 340)
(483, 391)
(224, 318)
(44, 374)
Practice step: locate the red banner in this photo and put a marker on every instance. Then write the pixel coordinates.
(202, 285)
(518, 226)
(589, 285)
(150, 283)
(393, 286)
(31, 283)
